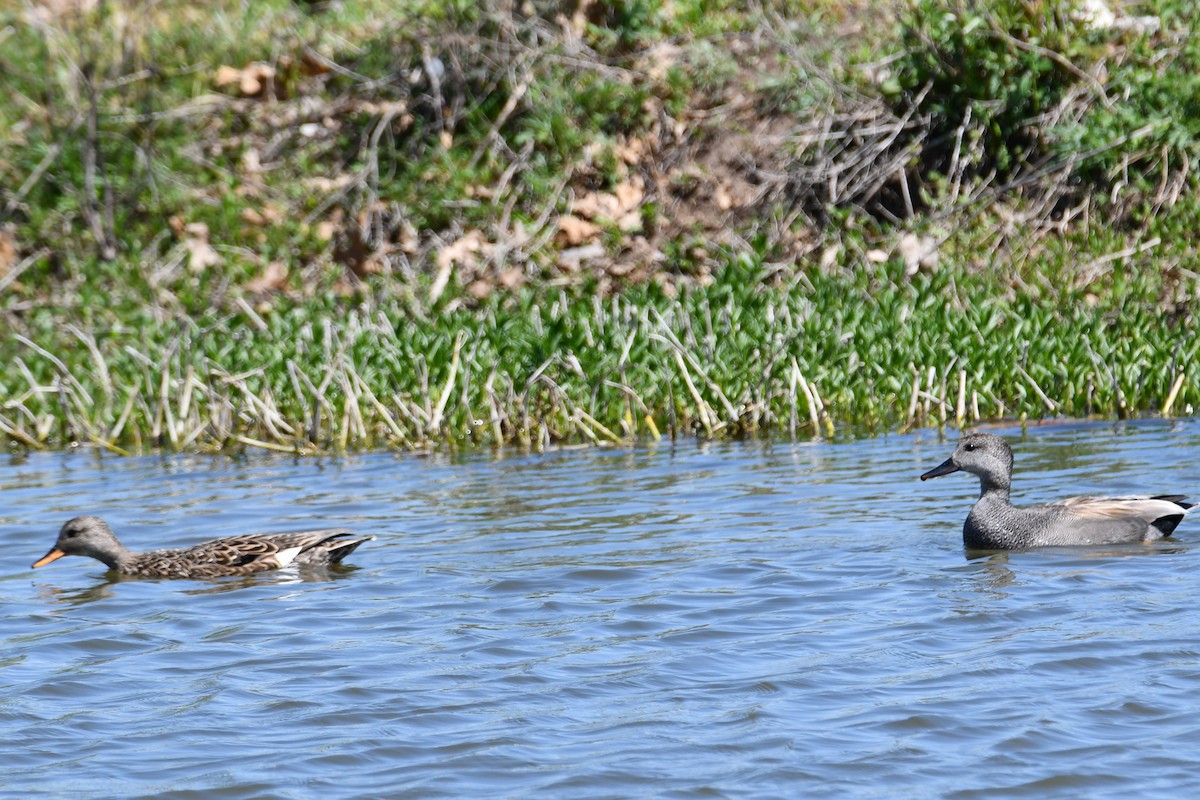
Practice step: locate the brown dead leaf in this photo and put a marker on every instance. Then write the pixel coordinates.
(465, 252)
(407, 239)
(631, 222)
(630, 194)
(268, 215)
(312, 65)
(398, 109)
(273, 279)
(829, 256)
(250, 81)
(724, 198)
(227, 75)
(55, 11)
(631, 152)
(326, 229)
(572, 258)
(593, 204)
(512, 277)
(326, 185)
(201, 254)
(579, 19)
(480, 289)
(918, 252)
(575, 231)
(251, 161)
(344, 288)
(638, 257)
(660, 58)
(620, 206)
(352, 250)
(8, 250)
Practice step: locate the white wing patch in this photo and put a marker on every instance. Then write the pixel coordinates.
(287, 556)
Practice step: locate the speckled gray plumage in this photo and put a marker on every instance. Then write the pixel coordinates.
(996, 524)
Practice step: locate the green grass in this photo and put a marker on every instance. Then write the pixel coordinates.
(742, 357)
(142, 201)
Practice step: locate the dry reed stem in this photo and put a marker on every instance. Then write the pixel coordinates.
(702, 407)
(914, 399)
(1175, 387)
(590, 420)
(821, 411)
(813, 414)
(681, 352)
(960, 409)
(793, 378)
(1050, 404)
(436, 421)
(15, 432)
(388, 419)
(279, 448)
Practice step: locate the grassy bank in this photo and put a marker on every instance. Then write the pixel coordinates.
(350, 226)
(761, 350)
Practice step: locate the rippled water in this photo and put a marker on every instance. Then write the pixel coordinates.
(688, 620)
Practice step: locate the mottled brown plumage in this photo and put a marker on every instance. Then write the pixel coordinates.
(230, 555)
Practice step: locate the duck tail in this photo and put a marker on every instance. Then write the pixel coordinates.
(344, 547)
(1177, 499)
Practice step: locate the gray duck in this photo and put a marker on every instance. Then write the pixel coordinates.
(996, 524)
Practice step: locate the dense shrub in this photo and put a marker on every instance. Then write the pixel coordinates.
(989, 72)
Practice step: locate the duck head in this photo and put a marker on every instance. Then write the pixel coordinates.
(85, 536)
(983, 454)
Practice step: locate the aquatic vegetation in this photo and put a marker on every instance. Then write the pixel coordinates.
(444, 224)
(755, 352)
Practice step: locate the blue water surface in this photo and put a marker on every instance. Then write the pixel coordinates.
(681, 620)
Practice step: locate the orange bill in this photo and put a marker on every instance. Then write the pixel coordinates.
(54, 555)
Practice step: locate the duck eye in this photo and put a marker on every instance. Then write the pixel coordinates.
(969, 447)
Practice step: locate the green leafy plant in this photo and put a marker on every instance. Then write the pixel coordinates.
(988, 71)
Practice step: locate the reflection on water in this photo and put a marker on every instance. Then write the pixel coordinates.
(745, 619)
(293, 575)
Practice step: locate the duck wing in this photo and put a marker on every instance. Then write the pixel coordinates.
(1161, 512)
(319, 547)
(239, 555)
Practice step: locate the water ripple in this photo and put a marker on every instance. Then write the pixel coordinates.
(691, 621)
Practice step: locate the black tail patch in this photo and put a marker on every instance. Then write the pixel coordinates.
(1168, 523)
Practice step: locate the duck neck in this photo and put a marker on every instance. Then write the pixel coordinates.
(994, 488)
(115, 558)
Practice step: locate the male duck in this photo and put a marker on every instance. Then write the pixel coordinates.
(996, 524)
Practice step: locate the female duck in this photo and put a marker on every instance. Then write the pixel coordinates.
(231, 555)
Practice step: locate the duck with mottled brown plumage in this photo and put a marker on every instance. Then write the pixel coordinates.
(996, 524)
(231, 555)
